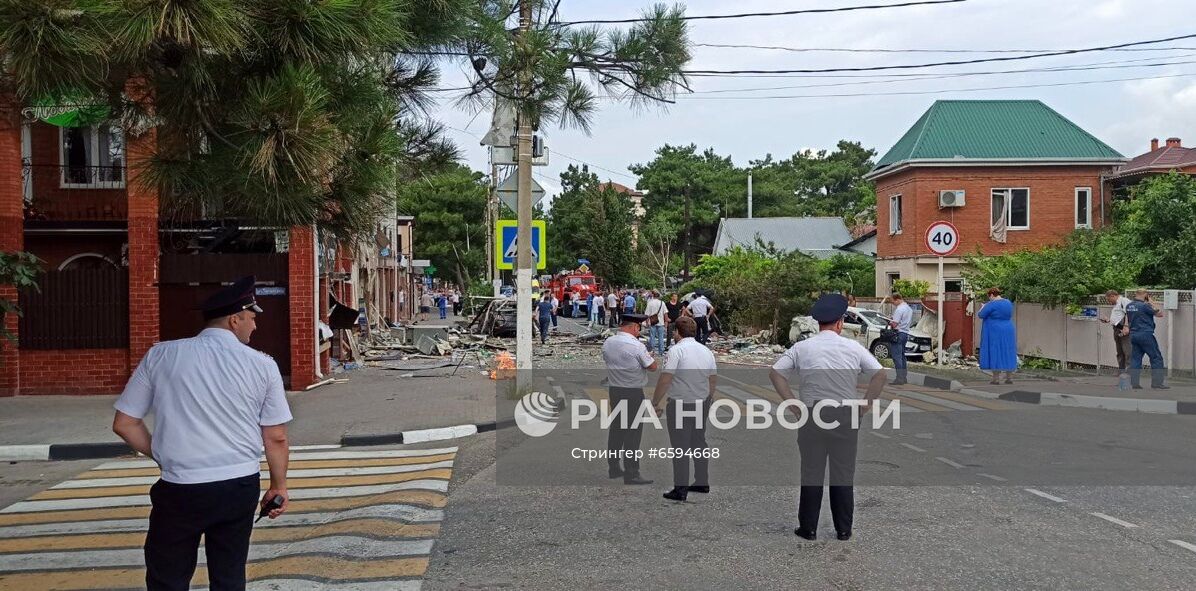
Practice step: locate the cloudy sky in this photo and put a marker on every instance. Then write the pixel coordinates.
(1159, 101)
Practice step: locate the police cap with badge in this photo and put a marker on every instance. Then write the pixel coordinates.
(232, 299)
(633, 319)
(829, 308)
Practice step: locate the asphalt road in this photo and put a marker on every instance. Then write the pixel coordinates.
(971, 500)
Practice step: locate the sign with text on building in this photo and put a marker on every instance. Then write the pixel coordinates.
(942, 238)
(506, 244)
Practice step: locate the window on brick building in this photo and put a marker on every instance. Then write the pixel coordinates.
(1014, 205)
(895, 214)
(93, 157)
(1084, 207)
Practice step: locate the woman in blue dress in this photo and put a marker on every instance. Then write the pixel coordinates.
(998, 340)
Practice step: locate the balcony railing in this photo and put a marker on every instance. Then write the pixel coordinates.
(71, 192)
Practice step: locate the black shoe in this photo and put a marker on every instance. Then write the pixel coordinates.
(809, 535)
(614, 473)
(843, 535)
(699, 489)
(1136, 387)
(635, 479)
(898, 383)
(1160, 387)
(677, 494)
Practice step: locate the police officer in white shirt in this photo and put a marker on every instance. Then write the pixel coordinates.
(700, 309)
(903, 317)
(216, 403)
(627, 364)
(829, 367)
(689, 380)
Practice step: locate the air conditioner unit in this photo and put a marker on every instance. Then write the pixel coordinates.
(951, 198)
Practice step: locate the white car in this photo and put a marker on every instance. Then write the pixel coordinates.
(864, 326)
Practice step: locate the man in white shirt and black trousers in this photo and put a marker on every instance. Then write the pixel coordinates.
(627, 365)
(216, 403)
(689, 379)
(829, 367)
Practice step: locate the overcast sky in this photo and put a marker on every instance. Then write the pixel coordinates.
(1125, 114)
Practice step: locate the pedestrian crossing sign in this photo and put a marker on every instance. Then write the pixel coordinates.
(506, 244)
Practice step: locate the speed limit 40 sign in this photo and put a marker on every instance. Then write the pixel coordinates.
(942, 238)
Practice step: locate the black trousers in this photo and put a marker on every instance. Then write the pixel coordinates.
(620, 438)
(817, 446)
(689, 434)
(703, 329)
(222, 512)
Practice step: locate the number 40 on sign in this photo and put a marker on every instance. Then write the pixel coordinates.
(942, 238)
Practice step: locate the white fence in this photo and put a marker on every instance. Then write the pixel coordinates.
(1054, 334)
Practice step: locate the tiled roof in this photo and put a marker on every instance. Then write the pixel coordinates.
(816, 236)
(1161, 160)
(995, 130)
(619, 188)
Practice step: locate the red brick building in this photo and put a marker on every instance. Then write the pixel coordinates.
(119, 277)
(1009, 175)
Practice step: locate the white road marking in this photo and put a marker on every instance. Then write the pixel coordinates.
(949, 462)
(315, 447)
(1112, 519)
(1046, 496)
(914, 447)
(298, 457)
(292, 474)
(880, 435)
(442, 433)
(395, 511)
(304, 585)
(347, 546)
(991, 477)
(140, 500)
(1184, 545)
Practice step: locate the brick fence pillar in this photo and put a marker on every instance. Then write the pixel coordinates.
(12, 231)
(143, 249)
(302, 283)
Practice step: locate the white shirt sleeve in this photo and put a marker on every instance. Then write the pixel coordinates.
(138, 396)
(275, 409)
(672, 360)
(787, 362)
(868, 362)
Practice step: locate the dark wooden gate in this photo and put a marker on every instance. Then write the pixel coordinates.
(76, 309)
(187, 280)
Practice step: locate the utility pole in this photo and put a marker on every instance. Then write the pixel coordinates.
(749, 194)
(491, 217)
(523, 258)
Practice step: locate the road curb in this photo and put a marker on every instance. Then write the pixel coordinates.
(424, 435)
(63, 451)
(1144, 405)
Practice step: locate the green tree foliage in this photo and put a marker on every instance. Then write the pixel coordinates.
(849, 273)
(758, 287)
(911, 289)
(823, 183)
(657, 257)
(586, 222)
(281, 112)
(447, 206)
(1159, 225)
(20, 270)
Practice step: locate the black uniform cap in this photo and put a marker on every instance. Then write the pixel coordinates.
(232, 299)
(829, 308)
(633, 319)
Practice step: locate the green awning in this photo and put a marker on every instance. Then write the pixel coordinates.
(75, 110)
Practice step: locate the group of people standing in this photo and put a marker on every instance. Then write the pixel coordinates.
(441, 300)
(828, 365)
(661, 314)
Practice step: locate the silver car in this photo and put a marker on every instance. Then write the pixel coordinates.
(864, 326)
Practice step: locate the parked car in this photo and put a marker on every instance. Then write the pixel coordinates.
(864, 326)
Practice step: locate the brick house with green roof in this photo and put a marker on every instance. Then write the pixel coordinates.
(1009, 174)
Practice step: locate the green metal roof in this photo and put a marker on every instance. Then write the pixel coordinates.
(995, 130)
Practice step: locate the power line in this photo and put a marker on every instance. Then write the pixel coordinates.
(1116, 65)
(558, 153)
(763, 14)
(912, 50)
(945, 63)
(939, 91)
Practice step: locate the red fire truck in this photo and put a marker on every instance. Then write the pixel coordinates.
(562, 285)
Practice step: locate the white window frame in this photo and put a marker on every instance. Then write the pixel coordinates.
(93, 166)
(896, 221)
(1009, 207)
(1086, 192)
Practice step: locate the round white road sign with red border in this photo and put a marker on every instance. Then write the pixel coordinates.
(942, 238)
